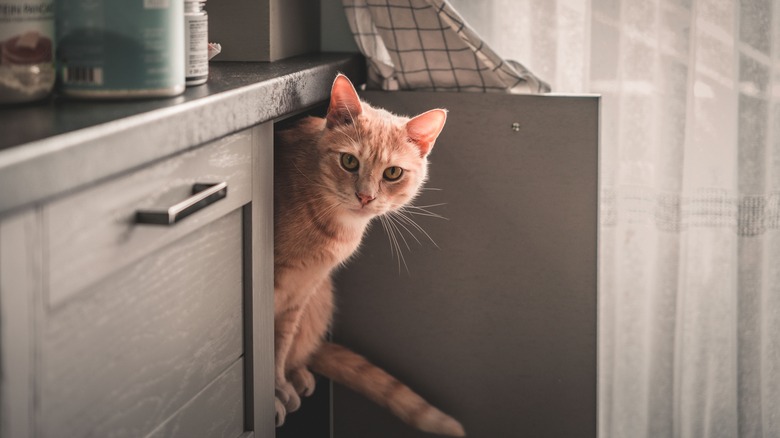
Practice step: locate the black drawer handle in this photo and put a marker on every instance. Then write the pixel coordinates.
(203, 195)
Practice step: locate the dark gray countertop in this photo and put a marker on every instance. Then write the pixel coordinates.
(50, 147)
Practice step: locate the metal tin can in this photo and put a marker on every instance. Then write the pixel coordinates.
(196, 42)
(120, 49)
(26, 50)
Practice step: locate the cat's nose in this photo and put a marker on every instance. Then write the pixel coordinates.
(364, 198)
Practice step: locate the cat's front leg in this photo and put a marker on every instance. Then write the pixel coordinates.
(313, 327)
(287, 396)
(286, 323)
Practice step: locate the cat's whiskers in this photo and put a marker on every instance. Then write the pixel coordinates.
(418, 213)
(392, 217)
(421, 211)
(395, 223)
(401, 217)
(382, 220)
(408, 220)
(427, 206)
(393, 233)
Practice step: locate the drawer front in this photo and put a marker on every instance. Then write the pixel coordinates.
(131, 350)
(93, 233)
(216, 412)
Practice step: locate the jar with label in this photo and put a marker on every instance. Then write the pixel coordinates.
(26, 50)
(109, 49)
(196, 42)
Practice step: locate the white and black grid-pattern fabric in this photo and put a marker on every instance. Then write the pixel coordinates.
(425, 45)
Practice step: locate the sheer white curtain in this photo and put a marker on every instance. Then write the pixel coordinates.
(689, 324)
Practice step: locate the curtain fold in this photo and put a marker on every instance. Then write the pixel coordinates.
(689, 341)
(689, 317)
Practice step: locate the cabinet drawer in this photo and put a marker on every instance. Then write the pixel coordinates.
(129, 352)
(93, 233)
(216, 412)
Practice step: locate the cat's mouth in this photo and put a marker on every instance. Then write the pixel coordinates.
(364, 210)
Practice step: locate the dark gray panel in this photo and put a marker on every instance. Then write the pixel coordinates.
(335, 35)
(264, 30)
(295, 28)
(242, 28)
(497, 325)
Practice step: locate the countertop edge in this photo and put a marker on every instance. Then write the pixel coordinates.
(40, 170)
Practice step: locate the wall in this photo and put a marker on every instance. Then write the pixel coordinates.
(335, 35)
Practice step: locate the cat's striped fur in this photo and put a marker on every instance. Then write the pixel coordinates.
(322, 209)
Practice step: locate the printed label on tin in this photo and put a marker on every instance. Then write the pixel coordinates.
(156, 4)
(82, 75)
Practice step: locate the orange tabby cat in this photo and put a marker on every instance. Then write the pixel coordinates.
(332, 177)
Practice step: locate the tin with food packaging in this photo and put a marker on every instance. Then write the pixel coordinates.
(115, 49)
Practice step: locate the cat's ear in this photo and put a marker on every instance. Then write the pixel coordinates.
(344, 103)
(425, 128)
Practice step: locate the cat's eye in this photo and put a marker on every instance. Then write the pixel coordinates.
(393, 173)
(349, 162)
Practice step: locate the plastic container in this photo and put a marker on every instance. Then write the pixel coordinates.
(196, 42)
(26, 50)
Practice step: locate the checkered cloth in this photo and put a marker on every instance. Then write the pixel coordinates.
(425, 45)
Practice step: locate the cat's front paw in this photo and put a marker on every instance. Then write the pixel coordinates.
(303, 381)
(285, 393)
(281, 412)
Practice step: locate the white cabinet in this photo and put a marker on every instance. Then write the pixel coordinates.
(110, 327)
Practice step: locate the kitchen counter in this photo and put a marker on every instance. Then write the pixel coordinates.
(52, 147)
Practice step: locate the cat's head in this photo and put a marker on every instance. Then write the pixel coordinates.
(374, 161)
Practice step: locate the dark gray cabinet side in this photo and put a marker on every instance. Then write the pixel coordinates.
(496, 323)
